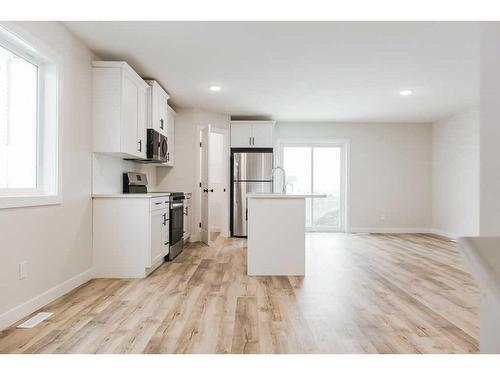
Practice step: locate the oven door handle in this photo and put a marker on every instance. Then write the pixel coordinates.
(176, 205)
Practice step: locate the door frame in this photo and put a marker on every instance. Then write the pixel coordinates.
(225, 133)
(345, 143)
(226, 158)
(208, 129)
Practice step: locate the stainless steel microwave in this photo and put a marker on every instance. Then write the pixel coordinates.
(157, 147)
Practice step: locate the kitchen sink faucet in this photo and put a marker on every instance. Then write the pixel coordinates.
(283, 186)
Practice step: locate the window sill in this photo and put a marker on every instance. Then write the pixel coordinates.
(29, 201)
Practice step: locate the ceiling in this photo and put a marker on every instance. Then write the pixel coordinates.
(302, 71)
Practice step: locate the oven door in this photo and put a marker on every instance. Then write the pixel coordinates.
(163, 149)
(176, 228)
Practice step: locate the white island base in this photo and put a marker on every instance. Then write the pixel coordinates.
(483, 257)
(276, 234)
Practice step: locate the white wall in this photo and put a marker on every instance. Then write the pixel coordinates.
(107, 172)
(489, 133)
(390, 172)
(56, 241)
(455, 175)
(185, 175)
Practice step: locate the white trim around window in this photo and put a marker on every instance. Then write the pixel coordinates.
(48, 139)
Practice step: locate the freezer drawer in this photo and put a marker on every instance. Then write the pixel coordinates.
(252, 166)
(239, 204)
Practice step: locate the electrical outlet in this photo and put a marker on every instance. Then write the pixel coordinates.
(23, 270)
(382, 217)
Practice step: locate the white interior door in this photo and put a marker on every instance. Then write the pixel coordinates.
(205, 196)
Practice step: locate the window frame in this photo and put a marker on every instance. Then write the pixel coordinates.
(344, 145)
(48, 139)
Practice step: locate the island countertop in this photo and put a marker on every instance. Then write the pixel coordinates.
(284, 196)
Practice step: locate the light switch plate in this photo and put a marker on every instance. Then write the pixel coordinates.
(23, 270)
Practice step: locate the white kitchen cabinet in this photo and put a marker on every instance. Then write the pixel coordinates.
(158, 108)
(119, 110)
(241, 135)
(250, 134)
(170, 136)
(159, 236)
(130, 234)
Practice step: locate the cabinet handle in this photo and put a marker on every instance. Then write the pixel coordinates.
(140, 145)
(168, 156)
(249, 140)
(161, 123)
(164, 219)
(211, 190)
(253, 140)
(205, 190)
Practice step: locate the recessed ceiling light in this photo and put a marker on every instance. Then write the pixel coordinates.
(406, 92)
(215, 88)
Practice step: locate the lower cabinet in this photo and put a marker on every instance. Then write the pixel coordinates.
(130, 235)
(159, 236)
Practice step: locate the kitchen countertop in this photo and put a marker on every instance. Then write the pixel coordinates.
(284, 196)
(121, 195)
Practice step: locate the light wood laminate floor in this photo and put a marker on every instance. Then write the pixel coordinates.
(361, 294)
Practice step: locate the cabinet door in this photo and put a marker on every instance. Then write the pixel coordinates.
(154, 121)
(162, 111)
(241, 135)
(170, 136)
(130, 142)
(142, 121)
(159, 236)
(262, 135)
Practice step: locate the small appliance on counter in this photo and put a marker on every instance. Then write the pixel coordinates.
(136, 183)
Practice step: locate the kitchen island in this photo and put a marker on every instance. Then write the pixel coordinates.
(482, 255)
(276, 234)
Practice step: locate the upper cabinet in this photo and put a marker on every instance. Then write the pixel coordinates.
(120, 109)
(158, 114)
(249, 134)
(161, 117)
(170, 136)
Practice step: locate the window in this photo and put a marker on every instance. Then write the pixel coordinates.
(318, 168)
(18, 123)
(29, 139)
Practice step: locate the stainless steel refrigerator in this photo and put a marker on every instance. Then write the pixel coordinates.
(251, 173)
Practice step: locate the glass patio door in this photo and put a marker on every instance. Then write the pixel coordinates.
(318, 168)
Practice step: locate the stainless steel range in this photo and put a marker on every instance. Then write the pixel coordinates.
(136, 183)
(176, 224)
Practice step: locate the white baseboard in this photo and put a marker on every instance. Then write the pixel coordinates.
(443, 233)
(195, 237)
(10, 317)
(391, 230)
